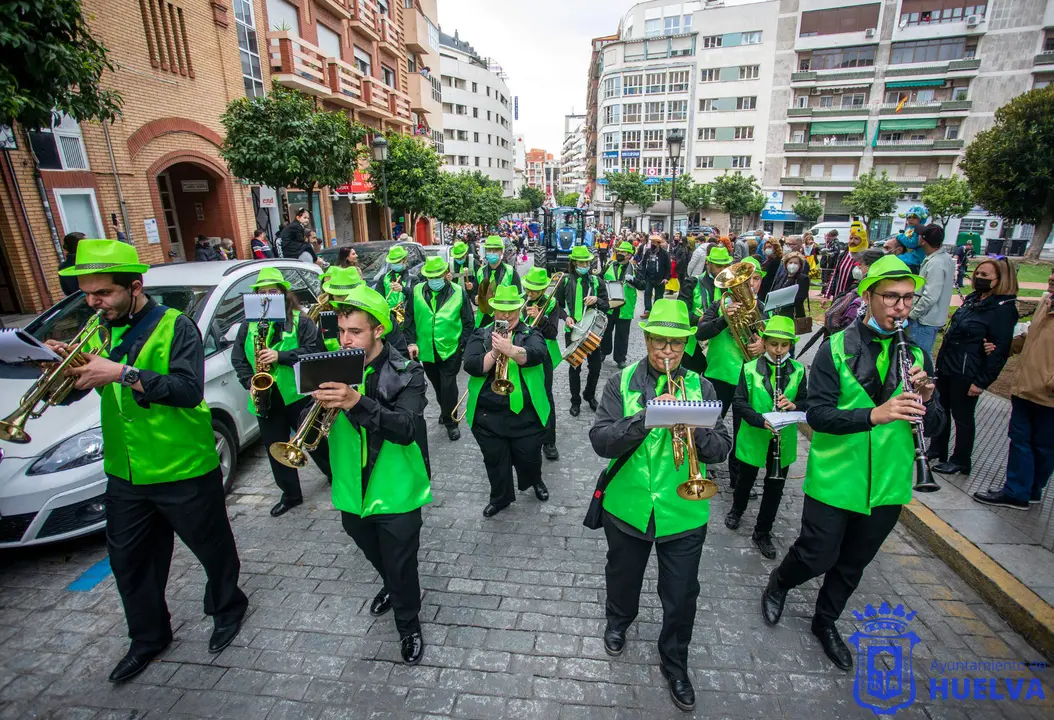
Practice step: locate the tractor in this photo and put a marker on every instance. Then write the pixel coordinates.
(562, 229)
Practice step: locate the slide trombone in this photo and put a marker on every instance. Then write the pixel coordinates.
(543, 301)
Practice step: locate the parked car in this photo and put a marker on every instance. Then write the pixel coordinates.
(52, 488)
(820, 230)
(372, 256)
(699, 230)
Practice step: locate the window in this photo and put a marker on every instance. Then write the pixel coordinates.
(749, 72)
(744, 132)
(653, 28)
(653, 139)
(710, 75)
(489, 136)
(652, 166)
(411, 64)
(630, 164)
(477, 161)
(928, 51)
(60, 147)
(252, 74)
(448, 108)
(281, 14)
(433, 36)
(475, 137)
(706, 104)
(610, 163)
(329, 41)
(459, 84)
(826, 101)
(448, 133)
(746, 103)
(654, 111)
(752, 38)
(461, 109)
(462, 135)
(677, 110)
(797, 136)
(686, 23)
(853, 100)
(631, 139)
(631, 84)
(79, 211)
(488, 90)
(475, 87)
(951, 132)
(833, 21)
(674, 167)
(166, 36)
(632, 112)
(655, 83)
(611, 115)
(679, 80)
(713, 41)
(960, 93)
(363, 61)
(974, 225)
(382, 7)
(740, 161)
(801, 101)
(475, 112)
(931, 12)
(837, 58)
(488, 115)
(707, 133)
(387, 76)
(702, 162)
(611, 141)
(462, 159)
(924, 96)
(612, 87)
(672, 25)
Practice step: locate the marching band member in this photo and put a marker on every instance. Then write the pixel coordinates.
(395, 285)
(756, 444)
(509, 427)
(284, 344)
(641, 504)
(380, 488)
(617, 331)
(494, 273)
(699, 293)
(861, 459)
(438, 323)
(463, 261)
(162, 470)
(581, 290)
(535, 283)
(339, 281)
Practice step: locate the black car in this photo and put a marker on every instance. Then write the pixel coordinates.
(373, 254)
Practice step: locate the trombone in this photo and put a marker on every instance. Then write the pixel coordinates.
(318, 421)
(696, 487)
(543, 301)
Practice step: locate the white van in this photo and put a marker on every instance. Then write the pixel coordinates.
(820, 230)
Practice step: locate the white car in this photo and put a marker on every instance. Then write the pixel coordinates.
(52, 487)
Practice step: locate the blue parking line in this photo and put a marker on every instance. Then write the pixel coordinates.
(92, 576)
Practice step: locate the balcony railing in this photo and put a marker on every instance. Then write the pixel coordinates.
(364, 17)
(298, 64)
(391, 38)
(905, 144)
(1044, 58)
(818, 181)
(963, 65)
(828, 74)
(345, 82)
(838, 143)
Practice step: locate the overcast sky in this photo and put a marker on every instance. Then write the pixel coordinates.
(544, 48)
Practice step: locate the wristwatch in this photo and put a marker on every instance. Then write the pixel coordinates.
(129, 376)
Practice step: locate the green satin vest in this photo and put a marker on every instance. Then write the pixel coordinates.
(752, 444)
(579, 309)
(625, 312)
(392, 298)
(506, 279)
(284, 377)
(724, 361)
(439, 327)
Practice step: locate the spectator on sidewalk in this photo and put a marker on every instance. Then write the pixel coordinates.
(294, 235)
(795, 272)
(740, 248)
(1031, 460)
(930, 311)
(261, 249)
(654, 263)
(70, 284)
(842, 263)
(203, 251)
(697, 265)
(772, 266)
(850, 305)
(962, 259)
(964, 369)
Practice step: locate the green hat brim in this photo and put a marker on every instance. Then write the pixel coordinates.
(507, 306)
(341, 289)
(868, 281)
(436, 274)
(493, 246)
(95, 269)
(779, 334)
(267, 283)
(531, 286)
(459, 253)
(664, 330)
(385, 320)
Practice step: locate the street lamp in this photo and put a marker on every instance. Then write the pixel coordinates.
(674, 140)
(380, 154)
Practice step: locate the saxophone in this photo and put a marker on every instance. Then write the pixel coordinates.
(263, 380)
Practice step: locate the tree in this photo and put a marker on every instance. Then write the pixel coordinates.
(695, 197)
(282, 140)
(51, 63)
(808, 208)
(947, 198)
(534, 197)
(567, 199)
(872, 197)
(454, 198)
(411, 172)
(738, 195)
(1010, 167)
(628, 188)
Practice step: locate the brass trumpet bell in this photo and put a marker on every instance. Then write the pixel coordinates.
(697, 489)
(13, 429)
(288, 454)
(502, 386)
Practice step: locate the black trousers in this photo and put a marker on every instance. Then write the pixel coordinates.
(652, 292)
(141, 524)
(281, 422)
(726, 392)
(593, 363)
(775, 478)
(678, 588)
(501, 454)
(616, 333)
(550, 427)
(390, 543)
(957, 403)
(443, 376)
(837, 544)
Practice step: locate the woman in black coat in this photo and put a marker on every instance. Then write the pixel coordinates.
(964, 370)
(796, 272)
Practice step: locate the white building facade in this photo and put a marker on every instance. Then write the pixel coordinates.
(573, 155)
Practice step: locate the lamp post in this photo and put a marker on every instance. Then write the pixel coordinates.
(674, 140)
(380, 154)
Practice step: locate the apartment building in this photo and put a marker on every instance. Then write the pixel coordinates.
(477, 113)
(539, 169)
(422, 61)
(596, 65)
(573, 155)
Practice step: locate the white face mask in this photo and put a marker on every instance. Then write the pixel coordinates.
(857, 273)
(768, 251)
(774, 360)
(793, 268)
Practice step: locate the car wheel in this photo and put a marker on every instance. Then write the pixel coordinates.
(227, 449)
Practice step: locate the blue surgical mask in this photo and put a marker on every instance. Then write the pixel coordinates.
(397, 267)
(873, 324)
(582, 271)
(493, 258)
(436, 284)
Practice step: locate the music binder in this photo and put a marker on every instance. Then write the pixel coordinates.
(694, 413)
(341, 366)
(327, 321)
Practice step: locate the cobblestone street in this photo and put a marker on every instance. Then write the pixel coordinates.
(513, 616)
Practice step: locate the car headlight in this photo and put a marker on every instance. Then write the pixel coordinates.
(81, 449)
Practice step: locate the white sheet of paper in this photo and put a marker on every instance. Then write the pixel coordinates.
(17, 346)
(780, 420)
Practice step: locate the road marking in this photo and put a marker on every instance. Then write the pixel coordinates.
(92, 576)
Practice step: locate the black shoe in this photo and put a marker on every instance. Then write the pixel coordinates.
(621, 364)
(491, 510)
(732, 519)
(1036, 498)
(681, 691)
(1000, 498)
(614, 641)
(381, 604)
(772, 601)
(283, 506)
(453, 433)
(592, 403)
(753, 495)
(764, 543)
(412, 647)
(576, 408)
(135, 662)
(950, 468)
(224, 636)
(833, 646)
(541, 491)
(551, 453)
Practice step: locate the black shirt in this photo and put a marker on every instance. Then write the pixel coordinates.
(493, 412)
(741, 407)
(69, 283)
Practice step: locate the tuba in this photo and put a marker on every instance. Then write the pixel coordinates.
(924, 481)
(744, 323)
(400, 312)
(261, 383)
(52, 387)
(312, 431)
(696, 487)
(501, 384)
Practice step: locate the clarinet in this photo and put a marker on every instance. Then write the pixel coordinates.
(775, 406)
(924, 481)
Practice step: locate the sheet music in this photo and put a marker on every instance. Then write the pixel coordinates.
(781, 298)
(18, 346)
(263, 306)
(780, 420)
(694, 413)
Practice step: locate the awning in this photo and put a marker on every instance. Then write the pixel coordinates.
(780, 216)
(840, 127)
(914, 83)
(908, 124)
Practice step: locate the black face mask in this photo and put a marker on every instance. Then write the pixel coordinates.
(982, 285)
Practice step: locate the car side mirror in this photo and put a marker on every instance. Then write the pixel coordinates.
(232, 333)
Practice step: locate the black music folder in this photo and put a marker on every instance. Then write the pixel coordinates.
(343, 366)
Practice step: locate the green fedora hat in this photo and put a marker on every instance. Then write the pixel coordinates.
(757, 265)
(435, 267)
(580, 253)
(780, 326)
(270, 276)
(396, 253)
(459, 250)
(624, 247)
(494, 243)
(96, 257)
(889, 267)
(668, 318)
(369, 300)
(718, 255)
(507, 298)
(536, 279)
(341, 281)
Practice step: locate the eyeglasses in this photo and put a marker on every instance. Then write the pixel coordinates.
(890, 300)
(661, 343)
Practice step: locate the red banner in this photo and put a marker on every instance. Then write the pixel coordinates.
(360, 183)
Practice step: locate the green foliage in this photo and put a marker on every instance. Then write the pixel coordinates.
(50, 63)
(1010, 167)
(469, 198)
(695, 197)
(628, 188)
(534, 196)
(947, 198)
(516, 205)
(282, 140)
(808, 208)
(567, 199)
(738, 195)
(411, 172)
(872, 197)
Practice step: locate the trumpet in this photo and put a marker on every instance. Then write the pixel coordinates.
(501, 385)
(400, 312)
(743, 323)
(52, 387)
(261, 383)
(312, 431)
(696, 487)
(543, 300)
(924, 481)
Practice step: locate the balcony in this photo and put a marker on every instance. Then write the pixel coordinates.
(340, 8)
(965, 66)
(909, 108)
(421, 100)
(1044, 58)
(832, 147)
(345, 84)
(298, 65)
(416, 26)
(364, 17)
(825, 182)
(828, 112)
(384, 102)
(391, 38)
(834, 75)
(929, 145)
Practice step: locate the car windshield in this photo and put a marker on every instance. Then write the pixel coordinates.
(567, 220)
